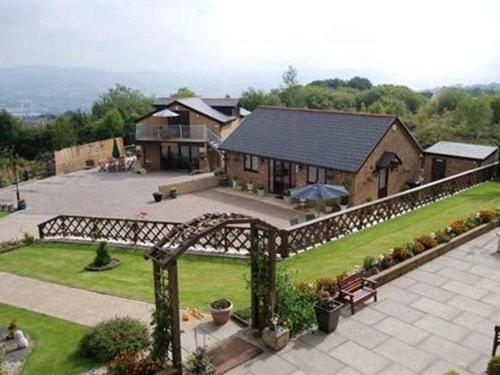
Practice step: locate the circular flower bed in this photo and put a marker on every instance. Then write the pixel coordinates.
(113, 263)
(11, 356)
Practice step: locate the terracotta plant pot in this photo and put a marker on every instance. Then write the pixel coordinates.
(221, 316)
(328, 319)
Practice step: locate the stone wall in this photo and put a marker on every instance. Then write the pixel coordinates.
(191, 184)
(75, 158)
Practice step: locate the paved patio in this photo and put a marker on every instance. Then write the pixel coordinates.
(124, 194)
(436, 318)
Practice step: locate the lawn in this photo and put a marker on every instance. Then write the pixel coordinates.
(3, 213)
(203, 279)
(56, 342)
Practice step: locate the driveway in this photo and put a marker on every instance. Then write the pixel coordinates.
(94, 193)
(438, 317)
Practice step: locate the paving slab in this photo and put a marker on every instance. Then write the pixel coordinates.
(359, 358)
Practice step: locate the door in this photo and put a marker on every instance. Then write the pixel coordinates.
(281, 176)
(383, 181)
(189, 156)
(438, 169)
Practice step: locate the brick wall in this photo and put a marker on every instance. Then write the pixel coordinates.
(454, 165)
(194, 183)
(398, 141)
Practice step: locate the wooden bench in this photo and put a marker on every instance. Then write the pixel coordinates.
(356, 289)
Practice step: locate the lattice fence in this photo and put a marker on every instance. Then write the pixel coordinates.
(236, 239)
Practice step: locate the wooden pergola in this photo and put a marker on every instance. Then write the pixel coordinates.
(166, 287)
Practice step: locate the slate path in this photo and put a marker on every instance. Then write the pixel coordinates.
(434, 319)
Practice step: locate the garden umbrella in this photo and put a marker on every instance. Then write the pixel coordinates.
(165, 113)
(319, 192)
(116, 150)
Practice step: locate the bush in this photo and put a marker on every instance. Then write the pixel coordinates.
(417, 248)
(220, 304)
(487, 216)
(385, 261)
(104, 341)
(442, 236)
(494, 366)
(428, 242)
(130, 363)
(102, 257)
(368, 263)
(458, 227)
(400, 254)
(472, 221)
(28, 239)
(451, 372)
(294, 307)
(327, 284)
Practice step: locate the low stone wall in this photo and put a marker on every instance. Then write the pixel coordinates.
(191, 184)
(414, 262)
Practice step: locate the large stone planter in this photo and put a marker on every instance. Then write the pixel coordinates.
(276, 340)
(328, 319)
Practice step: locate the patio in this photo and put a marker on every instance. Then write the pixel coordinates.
(431, 320)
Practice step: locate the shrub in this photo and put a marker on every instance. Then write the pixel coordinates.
(11, 329)
(458, 227)
(494, 366)
(368, 262)
(442, 236)
(28, 239)
(130, 363)
(102, 257)
(417, 248)
(385, 261)
(294, 307)
(327, 284)
(472, 221)
(400, 254)
(487, 216)
(427, 241)
(104, 341)
(451, 372)
(341, 276)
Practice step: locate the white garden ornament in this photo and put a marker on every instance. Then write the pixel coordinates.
(21, 340)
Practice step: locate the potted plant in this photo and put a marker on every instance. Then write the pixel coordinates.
(327, 312)
(173, 193)
(250, 186)
(276, 336)
(494, 366)
(21, 205)
(261, 192)
(157, 196)
(198, 362)
(235, 183)
(221, 311)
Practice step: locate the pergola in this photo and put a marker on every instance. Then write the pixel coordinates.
(167, 335)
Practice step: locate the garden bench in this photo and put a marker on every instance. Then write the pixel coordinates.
(496, 340)
(355, 289)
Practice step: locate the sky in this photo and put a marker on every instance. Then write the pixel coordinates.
(419, 43)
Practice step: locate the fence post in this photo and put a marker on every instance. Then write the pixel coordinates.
(285, 245)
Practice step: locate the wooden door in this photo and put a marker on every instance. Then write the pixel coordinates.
(383, 181)
(438, 169)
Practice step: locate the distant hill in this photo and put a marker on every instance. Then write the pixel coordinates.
(34, 90)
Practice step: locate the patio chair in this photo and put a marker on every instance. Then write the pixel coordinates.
(496, 341)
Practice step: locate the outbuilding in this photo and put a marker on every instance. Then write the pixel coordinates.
(445, 159)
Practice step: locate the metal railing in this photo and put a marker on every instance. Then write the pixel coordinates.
(175, 132)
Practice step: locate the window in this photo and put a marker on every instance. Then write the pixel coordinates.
(316, 175)
(251, 163)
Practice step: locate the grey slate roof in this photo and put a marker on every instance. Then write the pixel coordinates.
(462, 150)
(337, 140)
(197, 104)
(222, 102)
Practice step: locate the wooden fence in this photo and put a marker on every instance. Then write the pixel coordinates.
(236, 239)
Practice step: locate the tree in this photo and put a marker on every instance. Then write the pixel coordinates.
(495, 108)
(63, 133)
(447, 98)
(184, 92)
(9, 129)
(290, 77)
(111, 125)
(474, 117)
(359, 83)
(251, 98)
(332, 83)
(130, 103)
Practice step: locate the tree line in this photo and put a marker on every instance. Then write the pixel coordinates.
(450, 113)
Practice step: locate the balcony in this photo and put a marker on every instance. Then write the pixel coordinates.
(176, 133)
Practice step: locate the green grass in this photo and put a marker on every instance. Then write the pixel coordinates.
(56, 342)
(3, 213)
(203, 279)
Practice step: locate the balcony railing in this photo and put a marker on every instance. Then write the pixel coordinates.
(199, 133)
